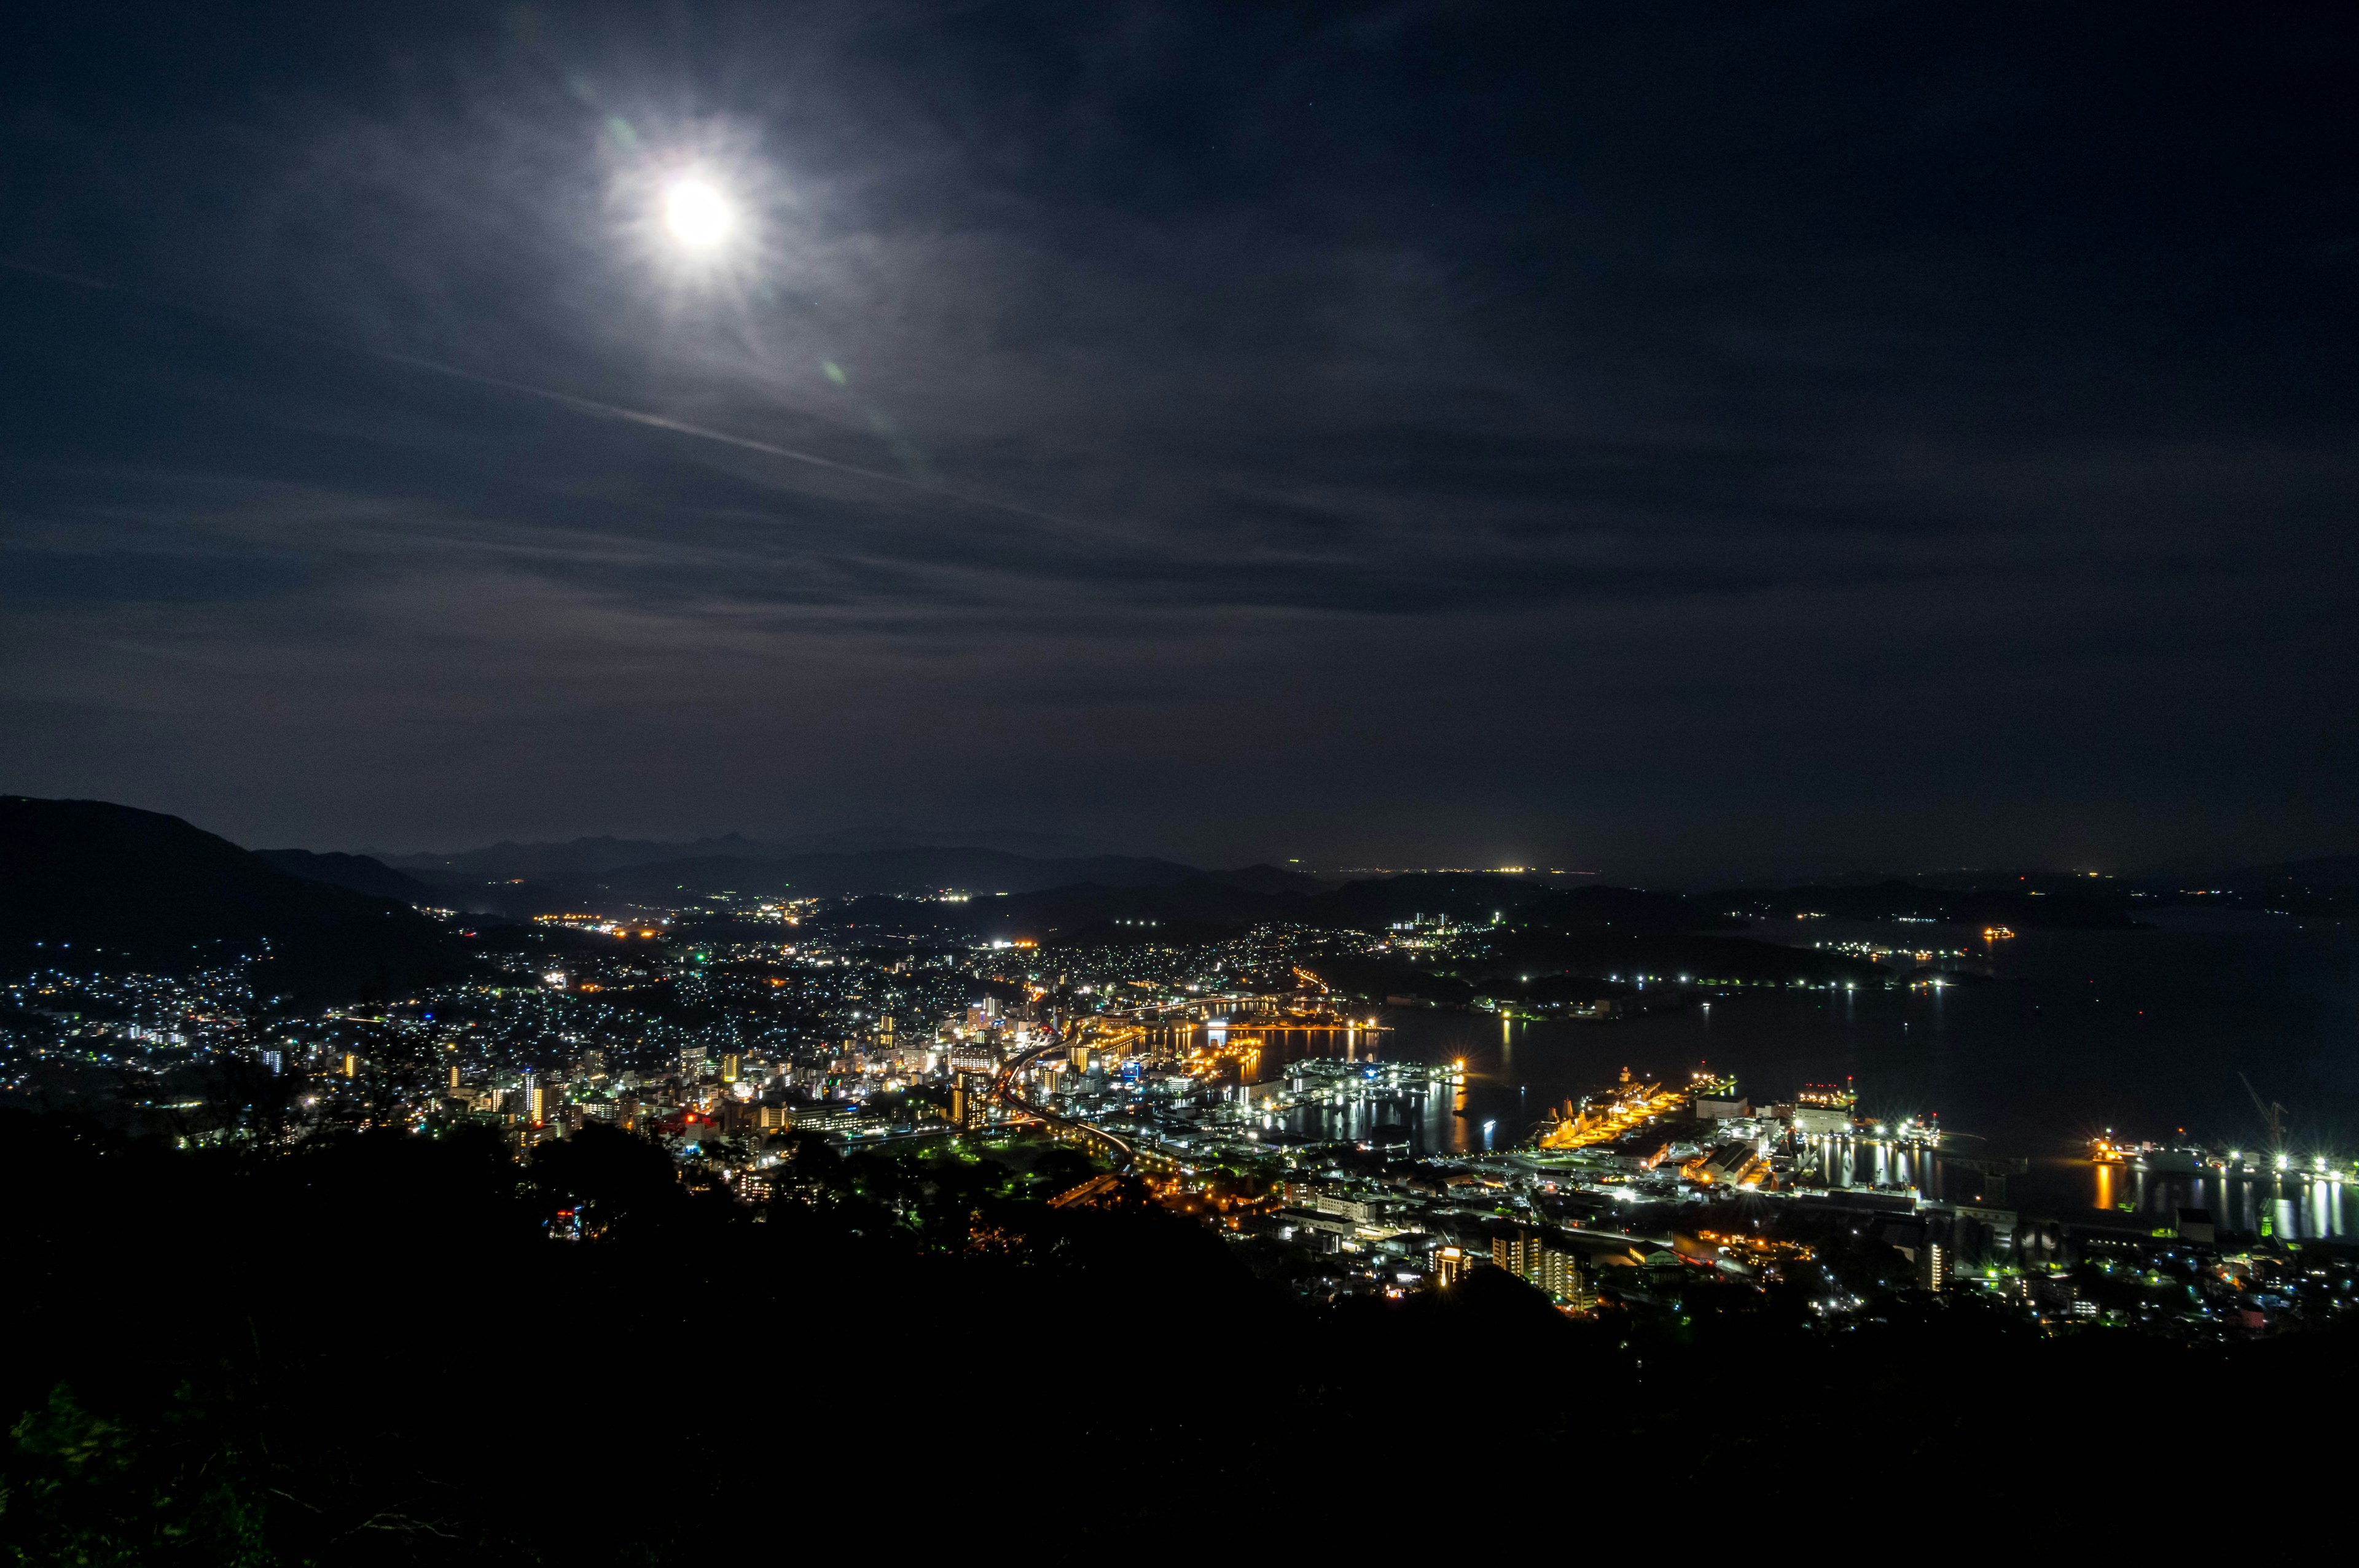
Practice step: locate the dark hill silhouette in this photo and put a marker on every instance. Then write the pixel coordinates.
(1625, 911)
(360, 873)
(1376, 902)
(1200, 905)
(985, 872)
(575, 857)
(2327, 885)
(1220, 900)
(1592, 932)
(1269, 878)
(706, 865)
(896, 871)
(118, 886)
(2321, 871)
(2067, 906)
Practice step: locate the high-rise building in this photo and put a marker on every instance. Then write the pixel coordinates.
(1448, 1266)
(1532, 1258)
(1519, 1254)
(1560, 1275)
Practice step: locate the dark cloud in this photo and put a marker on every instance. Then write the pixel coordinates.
(1662, 437)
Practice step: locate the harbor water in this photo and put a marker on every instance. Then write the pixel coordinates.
(2055, 1039)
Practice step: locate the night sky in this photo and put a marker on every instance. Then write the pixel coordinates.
(1678, 441)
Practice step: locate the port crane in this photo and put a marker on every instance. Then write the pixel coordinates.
(2272, 1115)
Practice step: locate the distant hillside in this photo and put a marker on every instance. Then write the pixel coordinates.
(1269, 878)
(2067, 906)
(983, 873)
(597, 857)
(1232, 901)
(126, 887)
(358, 872)
(2327, 885)
(2322, 872)
(1583, 943)
(920, 870)
(576, 856)
(1627, 911)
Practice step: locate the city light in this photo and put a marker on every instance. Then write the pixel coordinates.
(1235, 1080)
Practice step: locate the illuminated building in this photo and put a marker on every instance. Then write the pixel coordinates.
(1824, 1109)
(1518, 1255)
(1726, 1164)
(1359, 1211)
(1536, 1260)
(1559, 1276)
(969, 1090)
(1448, 1266)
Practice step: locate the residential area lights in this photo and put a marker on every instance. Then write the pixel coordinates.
(1239, 1081)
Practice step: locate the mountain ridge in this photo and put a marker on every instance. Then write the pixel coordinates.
(157, 891)
(360, 873)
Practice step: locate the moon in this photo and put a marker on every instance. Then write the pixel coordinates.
(698, 216)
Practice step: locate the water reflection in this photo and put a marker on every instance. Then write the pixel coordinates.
(2290, 1204)
(1515, 1070)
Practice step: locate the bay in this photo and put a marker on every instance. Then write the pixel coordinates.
(2033, 1047)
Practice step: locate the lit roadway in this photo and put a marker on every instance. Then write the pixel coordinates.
(1003, 1087)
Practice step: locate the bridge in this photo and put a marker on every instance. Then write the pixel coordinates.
(1110, 1032)
(1003, 1088)
(1094, 1187)
(1241, 1010)
(1287, 1026)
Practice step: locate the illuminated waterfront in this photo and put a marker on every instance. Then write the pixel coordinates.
(2141, 1031)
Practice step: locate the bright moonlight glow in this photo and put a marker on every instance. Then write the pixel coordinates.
(698, 216)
